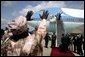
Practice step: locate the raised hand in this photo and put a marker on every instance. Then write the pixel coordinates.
(58, 16)
(29, 14)
(44, 15)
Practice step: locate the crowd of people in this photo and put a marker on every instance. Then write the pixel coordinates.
(52, 39)
(69, 42)
(73, 43)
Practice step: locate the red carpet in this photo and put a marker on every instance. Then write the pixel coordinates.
(56, 52)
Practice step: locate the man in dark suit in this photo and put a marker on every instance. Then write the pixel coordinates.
(79, 44)
(75, 43)
(53, 42)
(46, 40)
(64, 42)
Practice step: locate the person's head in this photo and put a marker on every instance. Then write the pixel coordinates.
(54, 33)
(80, 35)
(76, 37)
(67, 34)
(36, 28)
(47, 33)
(62, 34)
(27, 28)
(18, 26)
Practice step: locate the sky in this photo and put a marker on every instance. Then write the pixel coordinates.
(12, 9)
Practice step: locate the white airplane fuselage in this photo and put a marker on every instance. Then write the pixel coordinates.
(52, 26)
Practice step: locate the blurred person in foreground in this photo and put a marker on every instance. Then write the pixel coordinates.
(19, 43)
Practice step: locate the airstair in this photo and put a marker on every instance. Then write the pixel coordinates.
(59, 31)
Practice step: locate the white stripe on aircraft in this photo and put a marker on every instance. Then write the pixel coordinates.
(73, 12)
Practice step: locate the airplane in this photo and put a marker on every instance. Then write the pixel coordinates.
(71, 19)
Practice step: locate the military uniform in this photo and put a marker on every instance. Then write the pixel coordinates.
(20, 44)
(29, 46)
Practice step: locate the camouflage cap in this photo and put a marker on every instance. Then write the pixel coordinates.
(18, 26)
